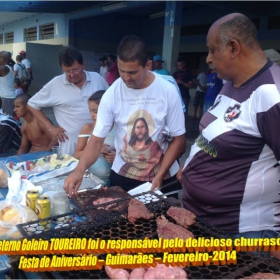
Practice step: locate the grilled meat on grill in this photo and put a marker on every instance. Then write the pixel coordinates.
(168, 230)
(261, 275)
(137, 210)
(137, 273)
(181, 216)
(163, 272)
(116, 273)
(102, 200)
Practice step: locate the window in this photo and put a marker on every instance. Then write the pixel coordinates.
(30, 34)
(47, 31)
(1, 39)
(9, 37)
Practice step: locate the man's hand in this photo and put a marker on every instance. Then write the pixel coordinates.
(110, 156)
(157, 182)
(73, 182)
(105, 149)
(59, 132)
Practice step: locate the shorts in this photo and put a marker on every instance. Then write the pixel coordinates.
(199, 99)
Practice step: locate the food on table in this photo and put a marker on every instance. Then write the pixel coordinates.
(89, 198)
(161, 271)
(181, 216)
(4, 210)
(168, 230)
(12, 215)
(138, 210)
(261, 275)
(43, 168)
(116, 273)
(137, 273)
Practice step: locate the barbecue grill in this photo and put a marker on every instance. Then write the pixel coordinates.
(94, 222)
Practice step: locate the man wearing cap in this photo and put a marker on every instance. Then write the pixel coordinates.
(7, 91)
(25, 61)
(157, 59)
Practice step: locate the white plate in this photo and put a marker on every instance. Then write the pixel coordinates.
(144, 188)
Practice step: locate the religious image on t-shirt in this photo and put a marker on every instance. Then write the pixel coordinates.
(142, 155)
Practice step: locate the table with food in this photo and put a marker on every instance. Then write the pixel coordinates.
(149, 234)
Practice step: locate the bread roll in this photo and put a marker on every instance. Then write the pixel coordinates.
(10, 216)
(4, 210)
(13, 216)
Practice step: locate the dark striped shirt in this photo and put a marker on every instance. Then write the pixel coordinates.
(10, 136)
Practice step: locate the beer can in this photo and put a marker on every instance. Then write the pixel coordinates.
(31, 197)
(43, 208)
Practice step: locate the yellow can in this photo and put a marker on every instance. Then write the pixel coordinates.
(31, 197)
(43, 208)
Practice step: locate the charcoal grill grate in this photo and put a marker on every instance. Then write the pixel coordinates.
(113, 224)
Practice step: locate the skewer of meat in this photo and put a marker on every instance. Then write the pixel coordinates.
(163, 272)
(261, 275)
(116, 273)
(137, 273)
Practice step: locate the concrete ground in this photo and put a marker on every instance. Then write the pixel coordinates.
(191, 131)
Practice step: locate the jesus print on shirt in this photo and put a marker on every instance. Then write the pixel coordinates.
(142, 155)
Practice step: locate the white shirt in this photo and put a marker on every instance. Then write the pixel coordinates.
(7, 84)
(19, 69)
(202, 80)
(159, 104)
(26, 62)
(70, 104)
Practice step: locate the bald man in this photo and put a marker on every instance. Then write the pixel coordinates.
(231, 178)
(7, 91)
(35, 136)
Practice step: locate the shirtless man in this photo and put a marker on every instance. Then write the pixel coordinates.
(35, 136)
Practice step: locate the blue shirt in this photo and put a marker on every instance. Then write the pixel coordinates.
(162, 71)
(214, 85)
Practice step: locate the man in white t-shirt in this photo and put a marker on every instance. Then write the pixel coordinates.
(68, 95)
(137, 110)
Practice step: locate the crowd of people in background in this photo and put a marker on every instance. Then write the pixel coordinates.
(16, 77)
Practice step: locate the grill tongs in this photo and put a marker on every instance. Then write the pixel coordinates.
(170, 184)
(147, 186)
